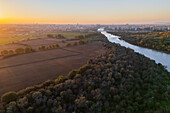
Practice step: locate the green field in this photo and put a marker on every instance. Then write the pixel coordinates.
(91, 38)
(7, 38)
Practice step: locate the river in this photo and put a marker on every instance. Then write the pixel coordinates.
(159, 57)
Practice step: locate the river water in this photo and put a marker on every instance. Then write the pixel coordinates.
(159, 57)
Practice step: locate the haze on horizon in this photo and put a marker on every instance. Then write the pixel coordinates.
(84, 11)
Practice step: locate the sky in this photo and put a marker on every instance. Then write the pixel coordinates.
(84, 11)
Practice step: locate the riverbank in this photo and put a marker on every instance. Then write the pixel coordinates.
(159, 57)
(158, 41)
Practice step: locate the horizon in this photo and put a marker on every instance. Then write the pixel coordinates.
(156, 23)
(84, 12)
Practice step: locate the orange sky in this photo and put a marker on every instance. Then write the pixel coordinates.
(84, 11)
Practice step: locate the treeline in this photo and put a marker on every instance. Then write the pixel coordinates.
(60, 36)
(56, 36)
(16, 51)
(8, 53)
(156, 40)
(42, 48)
(119, 81)
(80, 42)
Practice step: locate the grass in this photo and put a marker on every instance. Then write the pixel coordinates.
(7, 38)
(90, 38)
(69, 35)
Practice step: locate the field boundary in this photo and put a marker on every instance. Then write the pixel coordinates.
(54, 58)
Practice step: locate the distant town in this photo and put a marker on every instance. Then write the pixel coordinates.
(25, 29)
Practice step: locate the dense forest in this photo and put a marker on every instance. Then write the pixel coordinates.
(119, 81)
(155, 40)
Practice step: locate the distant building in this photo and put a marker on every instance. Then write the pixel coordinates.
(168, 28)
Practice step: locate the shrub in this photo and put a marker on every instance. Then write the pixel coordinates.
(8, 97)
(60, 79)
(11, 52)
(29, 110)
(89, 88)
(28, 50)
(49, 35)
(26, 91)
(42, 48)
(46, 83)
(81, 42)
(54, 46)
(59, 36)
(75, 43)
(79, 37)
(19, 50)
(68, 45)
(63, 41)
(49, 47)
(83, 68)
(72, 74)
(57, 46)
(4, 52)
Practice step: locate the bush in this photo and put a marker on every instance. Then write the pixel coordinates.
(50, 36)
(26, 91)
(68, 45)
(63, 41)
(28, 50)
(8, 97)
(57, 46)
(11, 52)
(83, 68)
(72, 74)
(46, 83)
(4, 52)
(79, 37)
(49, 47)
(75, 43)
(19, 50)
(42, 48)
(81, 42)
(54, 46)
(60, 79)
(59, 36)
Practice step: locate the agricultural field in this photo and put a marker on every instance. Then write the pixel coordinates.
(7, 38)
(49, 41)
(69, 35)
(17, 72)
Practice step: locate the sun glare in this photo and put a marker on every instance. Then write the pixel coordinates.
(0, 16)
